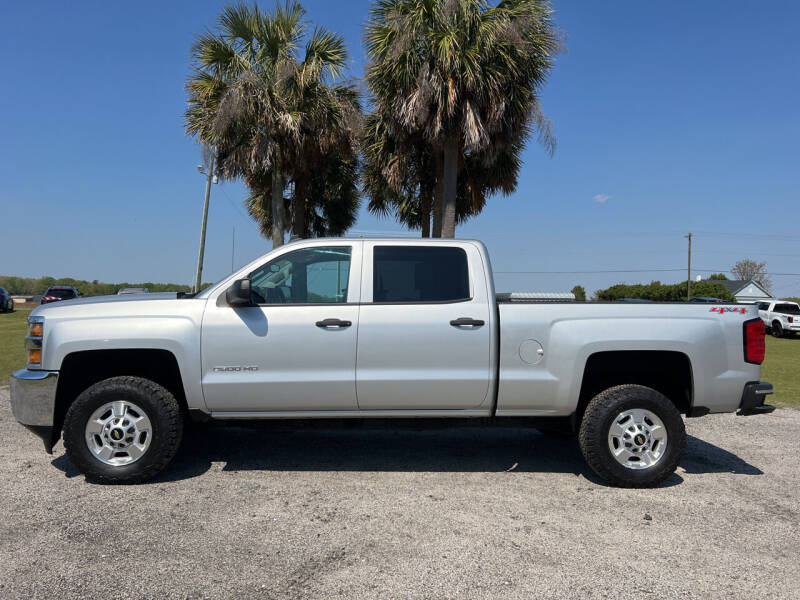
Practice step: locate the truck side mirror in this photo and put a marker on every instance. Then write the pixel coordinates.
(239, 293)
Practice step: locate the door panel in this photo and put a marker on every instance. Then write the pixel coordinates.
(409, 355)
(296, 349)
(299, 366)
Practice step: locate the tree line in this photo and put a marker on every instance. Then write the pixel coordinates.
(665, 292)
(452, 88)
(28, 286)
(744, 270)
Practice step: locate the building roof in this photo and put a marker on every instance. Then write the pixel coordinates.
(734, 286)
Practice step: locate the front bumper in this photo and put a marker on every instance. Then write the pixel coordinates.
(33, 399)
(752, 402)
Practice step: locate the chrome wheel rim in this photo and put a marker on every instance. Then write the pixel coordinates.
(637, 438)
(118, 433)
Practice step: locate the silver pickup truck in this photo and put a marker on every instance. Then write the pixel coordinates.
(354, 328)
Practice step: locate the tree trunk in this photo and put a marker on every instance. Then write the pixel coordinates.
(278, 211)
(299, 209)
(438, 199)
(450, 168)
(426, 197)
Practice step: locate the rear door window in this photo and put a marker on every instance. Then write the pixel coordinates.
(409, 274)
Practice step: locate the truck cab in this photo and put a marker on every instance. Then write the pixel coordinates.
(407, 328)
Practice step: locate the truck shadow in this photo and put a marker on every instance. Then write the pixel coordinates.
(445, 450)
(703, 457)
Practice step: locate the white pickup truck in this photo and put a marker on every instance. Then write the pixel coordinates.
(353, 328)
(780, 317)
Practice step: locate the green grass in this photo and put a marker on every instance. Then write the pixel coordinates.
(13, 327)
(781, 368)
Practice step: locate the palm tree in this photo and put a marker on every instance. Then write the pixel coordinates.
(398, 178)
(269, 113)
(462, 77)
(402, 181)
(326, 144)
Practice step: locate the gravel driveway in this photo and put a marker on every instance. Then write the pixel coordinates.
(470, 513)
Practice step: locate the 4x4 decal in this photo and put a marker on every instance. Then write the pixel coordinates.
(727, 309)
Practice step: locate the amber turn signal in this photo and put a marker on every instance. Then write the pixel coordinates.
(36, 329)
(34, 357)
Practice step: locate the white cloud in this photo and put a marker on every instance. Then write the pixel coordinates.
(602, 198)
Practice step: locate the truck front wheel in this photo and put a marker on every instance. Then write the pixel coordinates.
(123, 430)
(632, 436)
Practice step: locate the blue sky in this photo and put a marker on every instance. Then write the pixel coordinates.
(670, 117)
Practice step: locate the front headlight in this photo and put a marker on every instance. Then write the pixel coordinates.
(33, 342)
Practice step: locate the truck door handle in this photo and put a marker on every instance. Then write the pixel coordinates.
(327, 323)
(466, 321)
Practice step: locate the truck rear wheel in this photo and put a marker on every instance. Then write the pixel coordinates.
(632, 436)
(123, 430)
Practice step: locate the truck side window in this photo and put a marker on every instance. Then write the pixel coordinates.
(419, 274)
(787, 309)
(311, 275)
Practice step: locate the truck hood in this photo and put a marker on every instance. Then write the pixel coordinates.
(127, 298)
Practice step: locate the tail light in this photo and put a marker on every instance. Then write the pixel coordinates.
(754, 349)
(791, 319)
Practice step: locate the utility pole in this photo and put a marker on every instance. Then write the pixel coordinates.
(689, 270)
(203, 229)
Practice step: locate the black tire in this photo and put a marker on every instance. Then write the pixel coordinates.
(777, 329)
(594, 434)
(164, 415)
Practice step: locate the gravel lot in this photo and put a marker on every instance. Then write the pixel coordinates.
(470, 513)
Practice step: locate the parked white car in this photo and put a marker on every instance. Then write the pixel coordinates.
(780, 317)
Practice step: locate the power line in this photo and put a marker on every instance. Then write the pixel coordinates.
(786, 237)
(753, 236)
(630, 271)
(237, 209)
(589, 272)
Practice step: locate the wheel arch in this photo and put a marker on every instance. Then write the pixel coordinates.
(80, 370)
(667, 371)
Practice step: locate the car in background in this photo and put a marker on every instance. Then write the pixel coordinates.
(780, 317)
(56, 293)
(133, 290)
(6, 301)
(707, 300)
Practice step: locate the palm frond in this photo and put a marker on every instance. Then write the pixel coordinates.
(266, 112)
